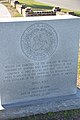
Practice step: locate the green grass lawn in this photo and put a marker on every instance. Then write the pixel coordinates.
(36, 5)
(77, 13)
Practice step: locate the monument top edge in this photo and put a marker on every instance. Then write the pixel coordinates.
(20, 19)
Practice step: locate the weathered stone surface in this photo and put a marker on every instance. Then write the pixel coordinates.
(38, 65)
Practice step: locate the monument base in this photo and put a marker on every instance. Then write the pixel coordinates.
(1, 107)
(41, 106)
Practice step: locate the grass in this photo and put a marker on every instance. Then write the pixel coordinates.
(36, 5)
(63, 115)
(77, 13)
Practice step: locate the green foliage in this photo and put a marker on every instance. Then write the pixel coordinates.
(51, 114)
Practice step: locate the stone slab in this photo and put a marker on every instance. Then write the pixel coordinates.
(38, 65)
(41, 106)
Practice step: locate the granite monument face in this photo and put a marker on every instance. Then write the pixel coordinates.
(38, 59)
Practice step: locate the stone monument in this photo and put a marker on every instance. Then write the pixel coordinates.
(38, 65)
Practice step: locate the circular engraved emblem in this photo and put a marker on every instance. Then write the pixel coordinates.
(39, 41)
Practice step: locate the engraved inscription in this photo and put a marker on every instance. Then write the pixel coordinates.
(37, 70)
(39, 76)
(39, 41)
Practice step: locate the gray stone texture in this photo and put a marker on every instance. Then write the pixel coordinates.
(38, 65)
